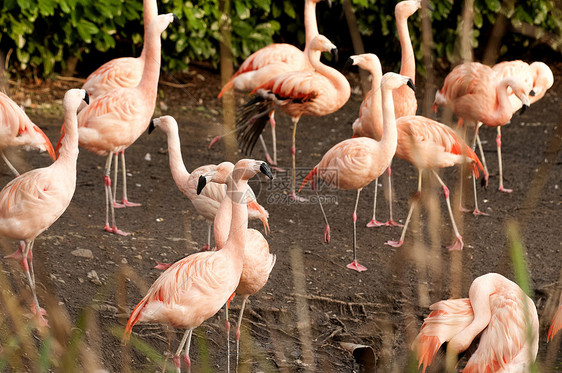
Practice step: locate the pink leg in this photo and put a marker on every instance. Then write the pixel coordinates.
(354, 264)
(327, 227)
(177, 361)
(415, 200)
(390, 222)
(458, 244)
(214, 141)
(18, 254)
(125, 199)
(244, 299)
(293, 194)
(35, 308)
(109, 202)
(499, 145)
(374, 222)
(116, 204)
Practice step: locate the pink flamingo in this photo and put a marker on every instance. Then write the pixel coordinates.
(206, 203)
(556, 323)
(477, 94)
(271, 61)
(405, 102)
(428, 145)
(537, 78)
(33, 201)
(497, 308)
(124, 72)
(197, 286)
(115, 120)
(16, 129)
(354, 163)
(312, 92)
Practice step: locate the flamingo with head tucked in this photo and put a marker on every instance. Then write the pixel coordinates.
(317, 92)
(497, 309)
(16, 129)
(33, 201)
(115, 120)
(354, 163)
(194, 288)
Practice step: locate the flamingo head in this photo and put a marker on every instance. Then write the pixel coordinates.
(543, 79)
(366, 61)
(322, 44)
(391, 81)
(74, 97)
(519, 90)
(167, 123)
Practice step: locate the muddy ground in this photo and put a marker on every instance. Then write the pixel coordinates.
(311, 303)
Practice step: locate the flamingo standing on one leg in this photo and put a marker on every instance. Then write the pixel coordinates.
(498, 309)
(405, 102)
(428, 145)
(476, 93)
(194, 288)
(354, 163)
(33, 201)
(556, 323)
(258, 262)
(312, 92)
(271, 61)
(206, 203)
(123, 72)
(115, 120)
(16, 129)
(537, 78)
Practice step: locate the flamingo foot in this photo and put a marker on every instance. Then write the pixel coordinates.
(268, 159)
(505, 190)
(162, 266)
(118, 205)
(177, 362)
(126, 203)
(356, 266)
(40, 314)
(375, 223)
(392, 223)
(17, 255)
(327, 233)
(205, 247)
(463, 209)
(458, 245)
(115, 230)
(278, 169)
(187, 362)
(477, 212)
(296, 198)
(214, 141)
(394, 243)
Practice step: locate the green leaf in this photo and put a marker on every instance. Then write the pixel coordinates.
(241, 10)
(86, 29)
(289, 9)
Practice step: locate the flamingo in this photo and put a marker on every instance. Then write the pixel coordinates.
(206, 203)
(308, 92)
(16, 129)
(497, 308)
(476, 93)
(115, 120)
(556, 323)
(354, 163)
(537, 78)
(33, 201)
(194, 288)
(404, 99)
(270, 61)
(428, 145)
(123, 72)
(258, 262)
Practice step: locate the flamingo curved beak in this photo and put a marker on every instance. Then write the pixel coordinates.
(334, 52)
(151, 127)
(201, 184)
(264, 168)
(86, 97)
(411, 84)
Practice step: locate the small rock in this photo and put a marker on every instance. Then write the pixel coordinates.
(124, 261)
(147, 157)
(83, 253)
(93, 276)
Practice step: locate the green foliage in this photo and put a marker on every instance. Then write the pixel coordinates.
(41, 36)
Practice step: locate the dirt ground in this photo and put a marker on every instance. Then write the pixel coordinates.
(311, 303)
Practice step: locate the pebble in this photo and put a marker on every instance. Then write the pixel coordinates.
(93, 276)
(83, 253)
(147, 157)
(124, 261)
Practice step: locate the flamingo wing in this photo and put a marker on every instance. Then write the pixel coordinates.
(120, 72)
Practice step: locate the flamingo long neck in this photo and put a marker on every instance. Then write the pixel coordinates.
(179, 172)
(504, 109)
(338, 80)
(408, 62)
(376, 100)
(221, 225)
(151, 72)
(239, 223)
(310, 25)
(389, 139)
(150, 11)
(69, 144)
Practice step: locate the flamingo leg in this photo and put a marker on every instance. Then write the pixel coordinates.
(115, 180)
(227, 325)
(412, 206)
(499, 145)
(390, 222)
(176, 358)
(327, 226)
(264, 146)
(354, 264)
(10, 166)
(29, 273)
(374, 222)
(482, 157)
(207, 246)
(125, 199)
(294, 196)
(476, 209)
(458, 245)
(273, 135)
(244, 299)
(109, 201)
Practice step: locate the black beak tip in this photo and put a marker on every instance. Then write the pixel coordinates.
(176, 20)
(86, 97)
(151, 127)
(532, 93)
(348, 63)
(201, 184)
(334, 53)
(264, 168)
(411, 84)
(523, 109)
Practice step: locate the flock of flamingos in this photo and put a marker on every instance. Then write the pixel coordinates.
(116, 104)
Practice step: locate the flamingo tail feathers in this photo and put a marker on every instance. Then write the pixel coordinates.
(48, 145)
(251, 121)
(556, 325)
(133, 319)
(253, 205)
(227, 87)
